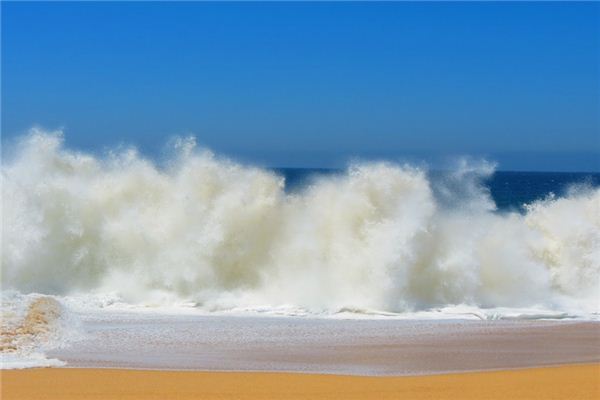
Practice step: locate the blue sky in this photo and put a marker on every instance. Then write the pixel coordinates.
(312, 84)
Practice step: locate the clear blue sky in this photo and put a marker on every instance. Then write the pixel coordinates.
(312, 84)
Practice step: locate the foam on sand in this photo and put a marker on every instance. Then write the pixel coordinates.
(30, 325)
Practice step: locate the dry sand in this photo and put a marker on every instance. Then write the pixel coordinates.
(565, 382)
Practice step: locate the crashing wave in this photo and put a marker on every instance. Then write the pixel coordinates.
(222, 235)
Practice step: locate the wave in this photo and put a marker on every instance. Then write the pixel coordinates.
(204, 229)
(30, 325)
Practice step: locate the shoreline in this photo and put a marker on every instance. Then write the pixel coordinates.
(325, 373)
(339, 347)
(574, 381)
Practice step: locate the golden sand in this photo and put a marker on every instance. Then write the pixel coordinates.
(564, 382)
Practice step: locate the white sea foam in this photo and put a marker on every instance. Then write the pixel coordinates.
(32, 324)
(228, 237)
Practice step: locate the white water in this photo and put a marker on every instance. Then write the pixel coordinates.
(226, 236)
(30, 326)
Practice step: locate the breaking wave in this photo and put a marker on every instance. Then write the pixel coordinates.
(30, 325)
(380, 236)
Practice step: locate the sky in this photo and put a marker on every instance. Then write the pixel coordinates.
(311, 84)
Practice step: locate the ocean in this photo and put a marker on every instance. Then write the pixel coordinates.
(119, 237)
(510, 190)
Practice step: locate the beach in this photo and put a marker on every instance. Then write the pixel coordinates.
(175, 355)
(300, 200)
(565, 382)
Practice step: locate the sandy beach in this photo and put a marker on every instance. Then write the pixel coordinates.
(163, 356)
(565, 382)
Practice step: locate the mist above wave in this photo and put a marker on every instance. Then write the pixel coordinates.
(208, 230)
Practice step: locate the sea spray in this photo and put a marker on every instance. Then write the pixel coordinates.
(204, 229)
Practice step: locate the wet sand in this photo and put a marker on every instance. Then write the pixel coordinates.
(565, 382)
(343, 347)
(129, 355)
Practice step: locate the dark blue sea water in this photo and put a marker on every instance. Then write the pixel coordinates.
(511, 190)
